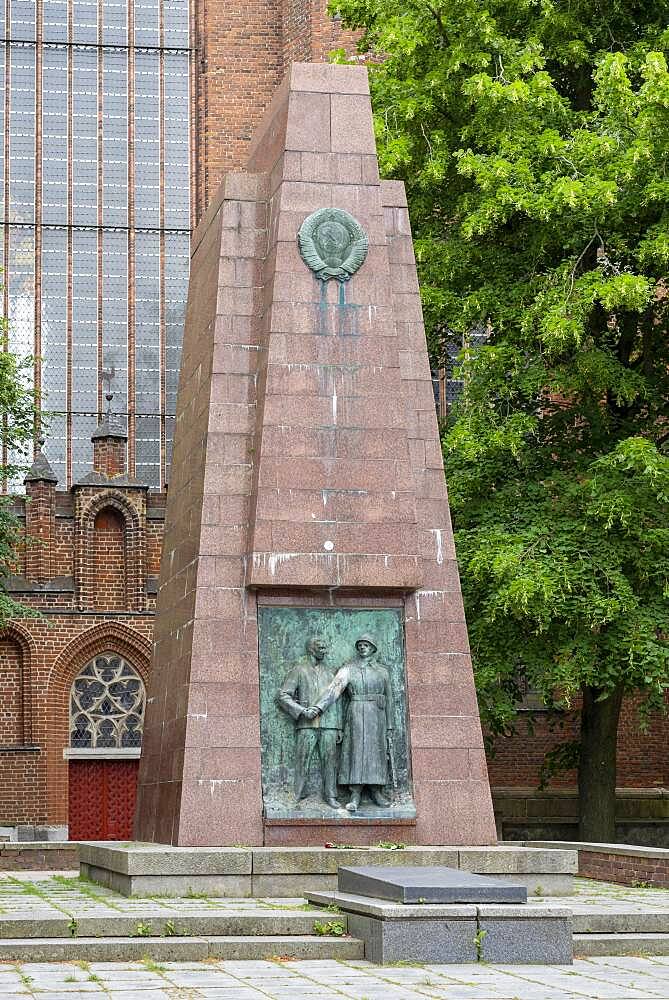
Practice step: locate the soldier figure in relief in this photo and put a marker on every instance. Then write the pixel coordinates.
(303, 685)
(367, 739)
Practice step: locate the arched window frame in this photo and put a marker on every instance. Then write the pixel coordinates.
(108, 691)
(134, 541)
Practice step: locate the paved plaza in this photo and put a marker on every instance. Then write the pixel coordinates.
(52, 894)
(595, 979)
(40, 895)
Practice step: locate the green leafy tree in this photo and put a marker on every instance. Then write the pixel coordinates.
(17, 424)
(533, 137)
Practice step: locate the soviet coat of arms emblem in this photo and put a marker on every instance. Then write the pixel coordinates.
(332, 243)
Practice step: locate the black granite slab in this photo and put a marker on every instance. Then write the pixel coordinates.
(428, 885)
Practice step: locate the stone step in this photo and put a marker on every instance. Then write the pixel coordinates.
(181, 949)
(592, 945)
(607, 921)
(202, 923)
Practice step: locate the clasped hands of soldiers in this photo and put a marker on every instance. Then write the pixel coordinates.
(311, 713)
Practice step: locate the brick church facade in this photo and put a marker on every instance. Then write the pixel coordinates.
(72, 681)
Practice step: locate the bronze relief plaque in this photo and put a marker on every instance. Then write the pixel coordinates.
(333, 714)
(333, 244)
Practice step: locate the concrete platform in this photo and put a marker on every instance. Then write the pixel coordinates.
(450, 934)
(137, 869)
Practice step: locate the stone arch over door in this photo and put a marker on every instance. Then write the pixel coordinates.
(104, 637)
(133, 550)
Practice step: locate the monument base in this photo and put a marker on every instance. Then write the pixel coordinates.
(362, 831)
(141, 869)
(455, 933)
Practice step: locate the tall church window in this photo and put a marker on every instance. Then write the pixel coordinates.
(107, 705)
(95, 216)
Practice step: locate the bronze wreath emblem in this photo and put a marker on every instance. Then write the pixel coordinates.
(332, 243)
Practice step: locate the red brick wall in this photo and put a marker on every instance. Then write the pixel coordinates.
(11, 686)
(242, 50)
(626, 869)
(643, 760)
(108, 556)
(22, 788)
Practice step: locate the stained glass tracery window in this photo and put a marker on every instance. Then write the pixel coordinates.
(107, 705)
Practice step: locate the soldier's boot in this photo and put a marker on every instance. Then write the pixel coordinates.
(352, 806)
(330, 790)
(378, 797)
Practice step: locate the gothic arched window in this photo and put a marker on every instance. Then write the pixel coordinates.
(107, 705)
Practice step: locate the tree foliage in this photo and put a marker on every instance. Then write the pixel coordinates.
(533, 138)
(17, 412)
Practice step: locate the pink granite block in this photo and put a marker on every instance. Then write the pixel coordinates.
(220, 602)
(446, 731)
(308, 128)
(339, 168)
(442, 667)
(393, 193)
(301, 196)
(235, 358)
(229, 480)
(233, 418)
(370, 170)
(454, 812)
(221, 811)
(478, 765)
(332, 78)
(436, 544)
(434, 765)
(442, 698)
(437, 636)
(435, 605)
(230, 698)
(352, 124)
(224, 731)
(400, 250)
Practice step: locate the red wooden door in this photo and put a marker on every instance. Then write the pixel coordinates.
(102, 799)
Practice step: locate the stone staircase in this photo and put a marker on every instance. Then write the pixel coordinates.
(268, 933)
(607, 932)
(252, 934)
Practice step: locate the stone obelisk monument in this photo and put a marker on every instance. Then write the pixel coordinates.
(311, 677)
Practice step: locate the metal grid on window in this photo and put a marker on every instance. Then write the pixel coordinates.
(84, 150)
(22, 20)
(22, 133)
(109, 295)
(147, 138)
(176, 132)
(176, 285)
(115, 313)
(54, 21)
(54, 135)
(54, 324)
(85, 320)
(85, 18)
(83, 425)
(115, 140)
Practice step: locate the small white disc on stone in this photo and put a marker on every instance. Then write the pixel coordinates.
(328, 546)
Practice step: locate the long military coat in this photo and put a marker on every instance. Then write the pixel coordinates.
(369, 719)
